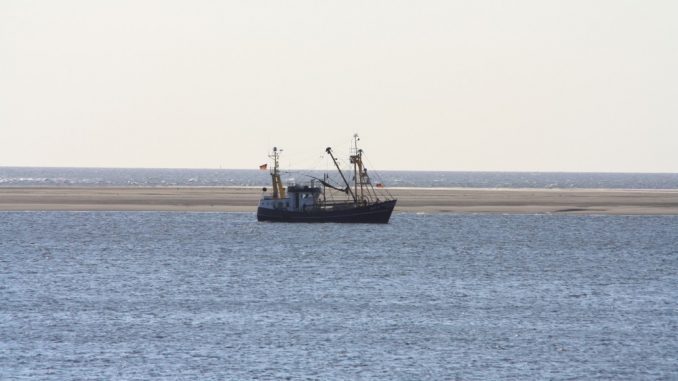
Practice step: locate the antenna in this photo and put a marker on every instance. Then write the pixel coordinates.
(356, 139)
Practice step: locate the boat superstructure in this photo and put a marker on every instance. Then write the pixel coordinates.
(361, 202)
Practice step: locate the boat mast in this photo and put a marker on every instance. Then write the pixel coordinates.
(355, 165)
(278, 189)
(358, 170)
(329, 151)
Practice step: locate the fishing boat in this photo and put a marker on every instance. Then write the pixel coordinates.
(316, 202)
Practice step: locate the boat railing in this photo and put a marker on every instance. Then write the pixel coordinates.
(338, 204)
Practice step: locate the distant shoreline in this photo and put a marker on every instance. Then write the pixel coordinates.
(419, 200)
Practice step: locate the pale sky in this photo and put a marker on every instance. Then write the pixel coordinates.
(429, 85)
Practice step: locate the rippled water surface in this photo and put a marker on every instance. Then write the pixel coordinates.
(95, 177)
(219, 296)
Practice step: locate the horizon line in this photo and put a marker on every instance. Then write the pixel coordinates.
(318, 170)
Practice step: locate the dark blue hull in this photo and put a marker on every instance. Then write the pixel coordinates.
(377, 213)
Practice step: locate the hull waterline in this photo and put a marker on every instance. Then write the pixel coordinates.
(377, 213)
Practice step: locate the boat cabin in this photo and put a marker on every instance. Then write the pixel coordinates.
(299, 198)
(302, 197)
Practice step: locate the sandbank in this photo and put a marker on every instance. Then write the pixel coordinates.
(419, 200)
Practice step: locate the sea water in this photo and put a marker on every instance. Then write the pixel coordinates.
(216, 296)
(95, 177)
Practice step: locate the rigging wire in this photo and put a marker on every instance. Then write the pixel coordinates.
(313, 169)
(378, 176)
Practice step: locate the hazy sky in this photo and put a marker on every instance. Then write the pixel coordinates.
(429, 85)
